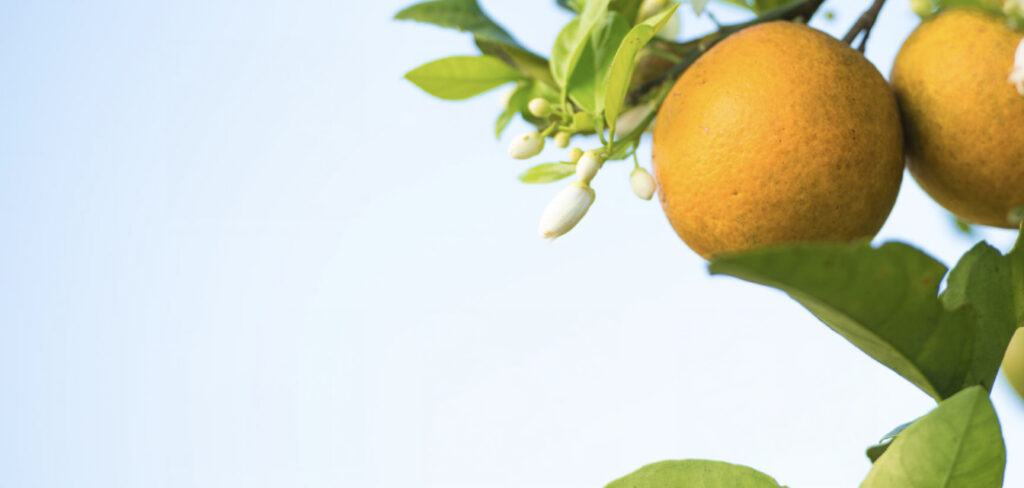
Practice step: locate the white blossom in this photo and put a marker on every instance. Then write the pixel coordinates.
(539, 107)
(587, 166)
(526, 145)
(562, 139)
(643, 183)
(566, 210)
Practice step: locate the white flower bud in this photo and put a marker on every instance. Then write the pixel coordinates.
(562, 139)
(566, 210)
(671, 29)
(526, 145)
(631, 119)
(506, 97)
(587, 166)
(575, 154)
(1017, 76)
(642, 183)
(539, 107)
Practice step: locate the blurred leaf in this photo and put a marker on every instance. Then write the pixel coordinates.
(587, 82)
(625, 61)
(570, 5)
(1016, 259)
(461, 77)
(529, 64)
(740, 3)
(962, 226)
(516, 103)
(582, 122)
(627, 9)
(765, 5)
(957, 445)
(548, 172)
(698, 6)
(983, 279)
(882, 300)
(694, 473)
(995, 6)
(876, 451)
(464, 15)
(571, 40)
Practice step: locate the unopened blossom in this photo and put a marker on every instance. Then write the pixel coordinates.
(526, 145)
(566, 210)
(642, 183)
(587, 166)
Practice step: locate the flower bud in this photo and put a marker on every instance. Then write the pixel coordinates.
(566, 210)
(526, 145)
(642, 183)
(1017, 76)
(587, 166)
(650, 8)
(562, 139)
(575, 154)
(631, 119)
(539, 107)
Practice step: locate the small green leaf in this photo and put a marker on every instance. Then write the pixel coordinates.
(516, 103)
(587, 82)
(694, 473)
(571, 39)
(624, 62)
(547, 172)
(463, 15)
(876, 451)
(461, 77)
(957, 445)
(882, 300)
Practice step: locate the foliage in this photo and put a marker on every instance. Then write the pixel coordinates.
(886, 300)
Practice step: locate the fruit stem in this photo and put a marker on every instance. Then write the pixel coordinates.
(864, 24)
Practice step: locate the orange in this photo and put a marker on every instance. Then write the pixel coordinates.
(778, 134)
(961, 115)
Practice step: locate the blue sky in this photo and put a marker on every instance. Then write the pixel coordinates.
(240, 250)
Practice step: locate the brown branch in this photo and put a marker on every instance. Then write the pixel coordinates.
(696, 47)
(864, 24)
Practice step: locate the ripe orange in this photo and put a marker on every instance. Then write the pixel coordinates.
(961, 116)
(779, 133)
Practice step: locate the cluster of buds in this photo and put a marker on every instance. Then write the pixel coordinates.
(571, 204)
(1017, 75)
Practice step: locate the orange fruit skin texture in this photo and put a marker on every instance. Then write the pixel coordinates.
(778, 134)
(1013, 362)
(962, 118)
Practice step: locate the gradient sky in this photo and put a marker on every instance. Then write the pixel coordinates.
(239, 250)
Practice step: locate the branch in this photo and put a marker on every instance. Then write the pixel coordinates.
(696, 47)
(864, 24)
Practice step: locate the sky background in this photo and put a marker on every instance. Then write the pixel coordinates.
(239, 250)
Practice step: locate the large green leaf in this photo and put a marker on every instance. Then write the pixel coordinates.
(587, 82)
(694, 473)
(882, 300)
(464, 15)
(627, 9)
(876, 451)
(528, 63)
(624, 62)
(1016, 258)
(572, 39)
(983, 278)
(957, 445)
(461, 77)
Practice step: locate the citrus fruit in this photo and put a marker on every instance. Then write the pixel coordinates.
(778, 134)
(961, 116)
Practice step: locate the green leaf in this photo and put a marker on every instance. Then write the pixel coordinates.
(627, 9)
(876, 451)
(587, 82)
(625, 61)
(694, 473)
(571, 40)
(461, 77)
(1016, 258)
(957, 445)
(517, 102)
(882, 300)
(529, 64)
(463, 15)
(547, 172)
(983, 279)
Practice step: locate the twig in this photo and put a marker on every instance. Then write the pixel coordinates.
(864, 24)
(696, 47)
